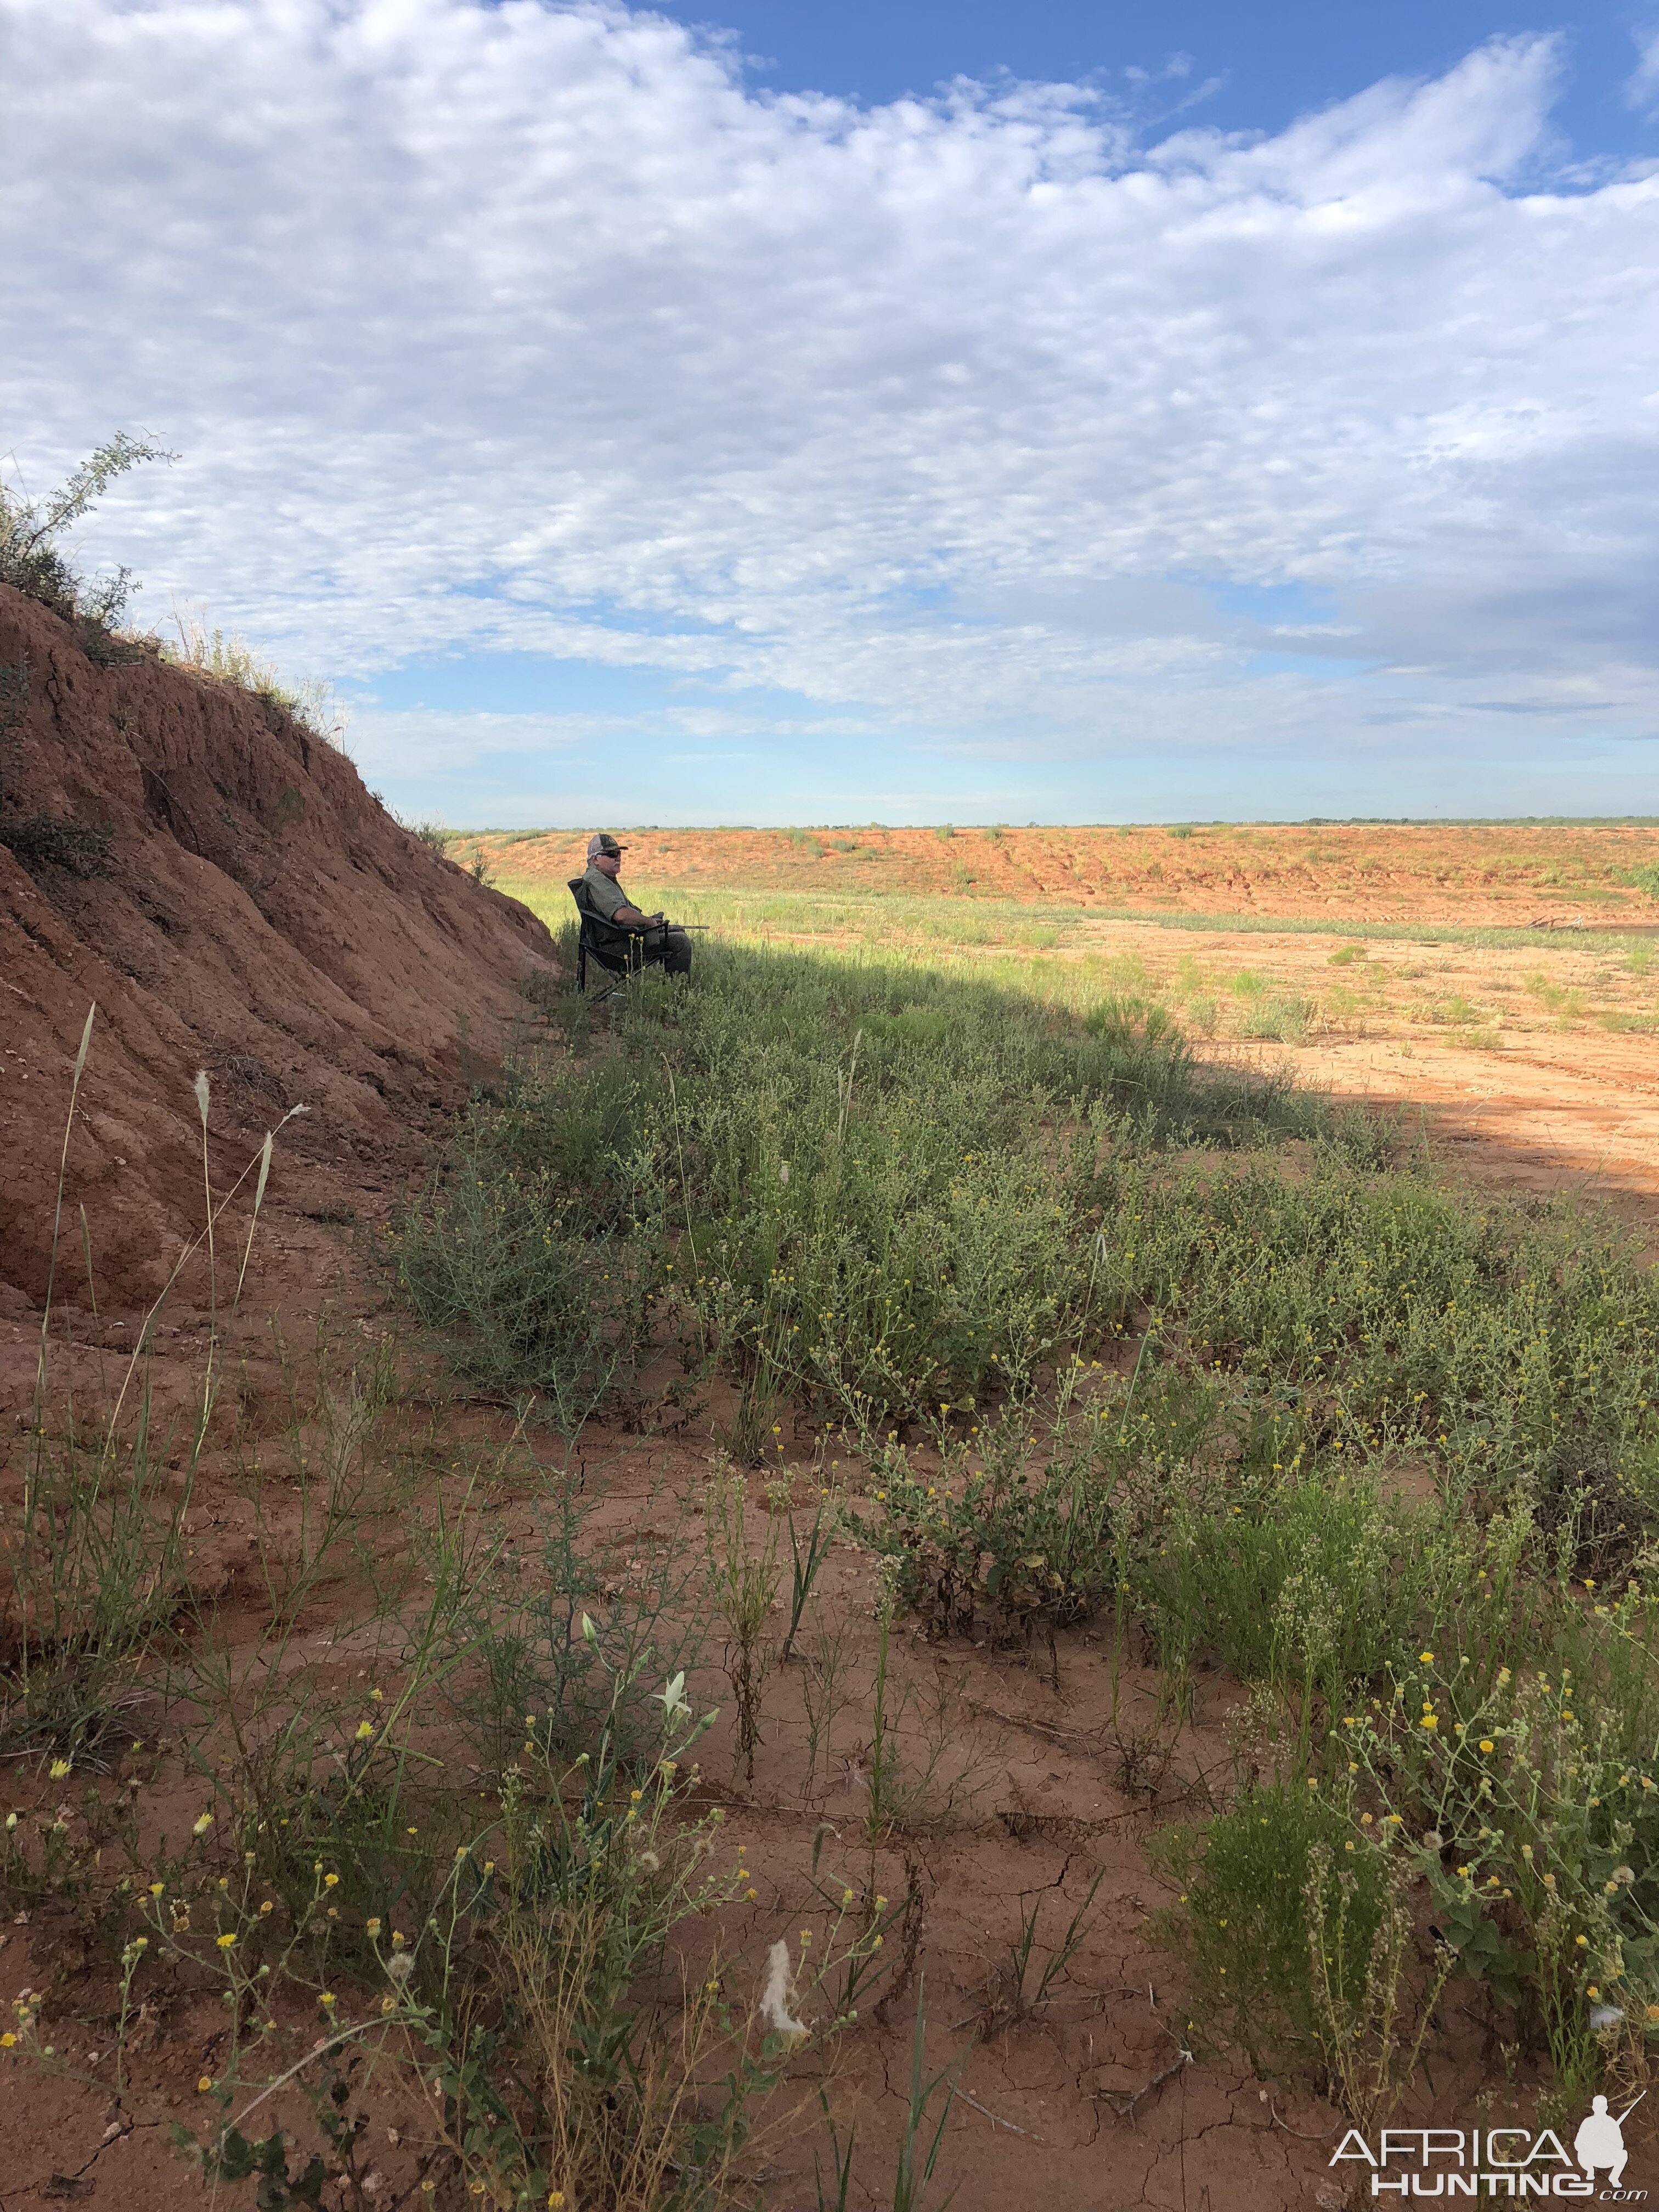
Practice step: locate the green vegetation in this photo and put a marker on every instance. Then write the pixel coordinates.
(1109, 1351)
(864, 1187)
(526, 1946)
(1084, 1338)
(32, 561)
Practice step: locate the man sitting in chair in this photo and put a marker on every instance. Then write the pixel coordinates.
(669, 945)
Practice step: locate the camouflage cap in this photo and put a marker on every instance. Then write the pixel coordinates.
(602, 842)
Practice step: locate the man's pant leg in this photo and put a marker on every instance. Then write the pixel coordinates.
(672, 947)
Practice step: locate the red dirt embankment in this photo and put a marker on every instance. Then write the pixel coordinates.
(262, 917)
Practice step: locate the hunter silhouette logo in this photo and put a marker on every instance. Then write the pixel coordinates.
(1500, 2161)
(1600, 2141)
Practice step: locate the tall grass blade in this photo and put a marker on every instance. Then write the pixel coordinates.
(910, 2180)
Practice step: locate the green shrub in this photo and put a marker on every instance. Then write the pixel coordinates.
(1033, 1550)
(30, 559)
(530, 1303)
(1297, 1579)
(1529, 1794)
(1239, 1927)
(1281, 1015)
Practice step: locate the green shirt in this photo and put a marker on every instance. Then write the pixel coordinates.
(605, 894)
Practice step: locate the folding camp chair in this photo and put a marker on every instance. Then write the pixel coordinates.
(618, 949)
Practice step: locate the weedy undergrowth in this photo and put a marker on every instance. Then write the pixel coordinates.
(94, 1549)
(745, 1579)
(1240, 1926)
(1014, 1994)
(1370, 2019)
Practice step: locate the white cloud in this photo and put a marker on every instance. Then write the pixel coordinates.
(526, 329)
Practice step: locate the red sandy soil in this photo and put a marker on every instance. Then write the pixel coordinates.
(266, 920)
(1502, 875)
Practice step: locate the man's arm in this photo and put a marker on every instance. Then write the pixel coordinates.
(631, 918)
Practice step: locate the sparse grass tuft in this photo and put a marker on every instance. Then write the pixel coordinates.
(232, 661)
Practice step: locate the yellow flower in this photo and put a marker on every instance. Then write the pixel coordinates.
(226, 1942)
(60, 1767)
(156, 1888)
(267, 1908)
(1427, 1658)
(205, 2084)
(331, 1881)
(1487, 1743)
(326, 2000)
(202, 1824)
(7, 2041)
(365, 1729)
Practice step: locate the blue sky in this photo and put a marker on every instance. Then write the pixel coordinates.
(1239, 68)
(851, 412)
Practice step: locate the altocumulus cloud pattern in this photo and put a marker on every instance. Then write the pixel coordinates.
(966, 446)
